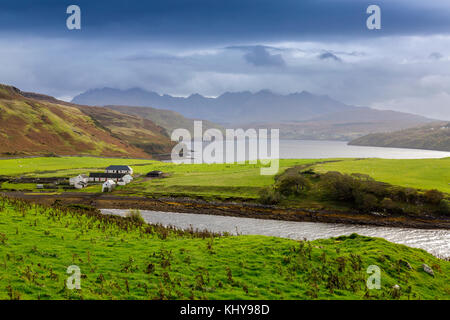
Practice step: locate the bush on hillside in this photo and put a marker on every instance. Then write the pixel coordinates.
(444, 207)
(433, 196)
(338, 186)
(293, 184)
(269, 196)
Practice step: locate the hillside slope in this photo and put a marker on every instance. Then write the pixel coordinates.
(169, 120)
(435, 136)
(138, 131)
(33, 124)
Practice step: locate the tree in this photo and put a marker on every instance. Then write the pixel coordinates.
(294, 183)
(339, 186)
(366, 201)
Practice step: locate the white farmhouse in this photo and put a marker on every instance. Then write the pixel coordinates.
(80, 181)
(108, 186)
(119, 169)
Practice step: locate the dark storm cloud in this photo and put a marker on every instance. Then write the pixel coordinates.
(328, 56)
(219, 21)
(185, 46)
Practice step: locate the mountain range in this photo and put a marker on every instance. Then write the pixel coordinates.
(301, 115)
(230, 107)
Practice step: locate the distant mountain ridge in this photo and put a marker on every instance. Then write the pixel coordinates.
(230, 107)
(435, 136)
(300, 115)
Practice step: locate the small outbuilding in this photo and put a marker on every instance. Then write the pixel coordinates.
(80, 181)
(126, 179)
(80, 185)
(155, 174)
(108, 186)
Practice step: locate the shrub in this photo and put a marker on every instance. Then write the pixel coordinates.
(380, 189)
(387, 204)
(444, 207)
(135, 216)
(269, 196)
(433, 196)
(338, 186)
(367, 202)
(408, 195)
(294, 183)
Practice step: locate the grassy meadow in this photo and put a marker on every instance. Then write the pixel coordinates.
(59, 166)
(121, 258)
(225, 180)
(416, 173)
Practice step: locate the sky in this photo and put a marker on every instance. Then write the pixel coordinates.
(181, 47)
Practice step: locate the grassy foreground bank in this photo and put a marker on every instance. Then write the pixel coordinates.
(123, 259)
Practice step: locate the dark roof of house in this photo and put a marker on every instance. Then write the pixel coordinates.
(106, 175)
(118, 168)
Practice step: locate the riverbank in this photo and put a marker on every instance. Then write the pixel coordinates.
(233, 209)
(123, 258)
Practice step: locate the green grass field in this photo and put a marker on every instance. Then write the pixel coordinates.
(421, 174)
(59, 166)
(227, 180)
(215, 180)
(119, 259)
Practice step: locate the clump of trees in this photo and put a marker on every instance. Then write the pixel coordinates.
(292, 182)
(357, 190)
(370, 195)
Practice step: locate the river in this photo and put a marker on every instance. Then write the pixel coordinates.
(437, 242)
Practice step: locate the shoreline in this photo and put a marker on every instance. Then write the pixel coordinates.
(232, 209)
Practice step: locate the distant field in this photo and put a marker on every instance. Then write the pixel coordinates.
(421, 173)
(49, 166)
(226, 180)
(217, 180)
